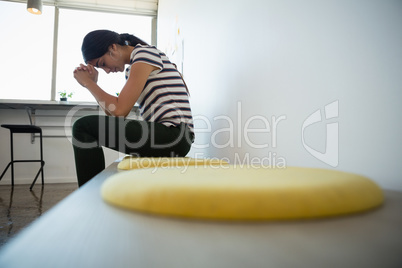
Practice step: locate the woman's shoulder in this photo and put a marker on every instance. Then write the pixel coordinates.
(147, 48)
(140, 47)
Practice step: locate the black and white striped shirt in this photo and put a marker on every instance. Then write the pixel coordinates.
(164, 98)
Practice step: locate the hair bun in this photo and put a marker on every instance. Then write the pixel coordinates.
(126, 38)
(130, 40)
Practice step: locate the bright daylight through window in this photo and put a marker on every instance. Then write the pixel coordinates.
(26, 42)
(27, 46)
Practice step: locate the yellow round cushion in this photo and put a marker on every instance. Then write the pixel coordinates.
(241, 193)
(130, 162)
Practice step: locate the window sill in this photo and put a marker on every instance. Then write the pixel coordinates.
(45, 105)
(49, 105)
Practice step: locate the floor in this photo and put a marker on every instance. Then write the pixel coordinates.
(19, 206)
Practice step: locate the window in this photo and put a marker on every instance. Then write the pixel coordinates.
(73, 26)
(26, 45)
(27, 49)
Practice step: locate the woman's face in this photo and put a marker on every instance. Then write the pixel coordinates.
(111, 61)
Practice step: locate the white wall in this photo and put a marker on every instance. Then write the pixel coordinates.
(58, 152)
(291, 58)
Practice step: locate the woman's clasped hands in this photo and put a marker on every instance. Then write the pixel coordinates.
(86, 74)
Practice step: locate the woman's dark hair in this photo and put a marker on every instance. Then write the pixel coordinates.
(97, 43)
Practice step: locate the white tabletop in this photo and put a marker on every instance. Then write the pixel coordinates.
(84, 231)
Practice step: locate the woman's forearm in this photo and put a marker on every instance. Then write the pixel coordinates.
(112, 105)
(107, 102)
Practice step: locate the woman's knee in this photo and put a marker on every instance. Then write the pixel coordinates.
(83, 124)
(84, 130)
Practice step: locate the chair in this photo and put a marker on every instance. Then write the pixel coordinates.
(24, 129)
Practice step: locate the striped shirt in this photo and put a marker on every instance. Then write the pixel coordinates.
(164, 98)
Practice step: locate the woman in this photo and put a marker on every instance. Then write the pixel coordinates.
(152, 81)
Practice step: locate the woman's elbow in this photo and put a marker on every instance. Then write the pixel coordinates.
(118, 112)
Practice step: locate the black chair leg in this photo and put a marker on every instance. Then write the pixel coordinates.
(42, 163)
(12, 158)
(41, 159)
(5, 170)
(36, 177)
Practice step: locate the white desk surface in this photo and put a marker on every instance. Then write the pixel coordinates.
(83, 231)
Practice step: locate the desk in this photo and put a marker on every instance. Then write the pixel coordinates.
(83, 231)
(56, 113)
(50, 105)
(45, 105)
